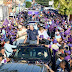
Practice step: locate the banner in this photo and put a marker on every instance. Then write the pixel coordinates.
(33, 12)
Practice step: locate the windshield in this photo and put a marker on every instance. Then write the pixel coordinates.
(30, 53)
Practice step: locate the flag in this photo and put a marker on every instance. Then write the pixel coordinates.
(67, 32)
(51, 28)
(6, 22)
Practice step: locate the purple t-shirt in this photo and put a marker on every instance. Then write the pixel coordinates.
(67, 58)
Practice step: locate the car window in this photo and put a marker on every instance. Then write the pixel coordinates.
(33, 53)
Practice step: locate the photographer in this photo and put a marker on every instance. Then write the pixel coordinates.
(9, 48)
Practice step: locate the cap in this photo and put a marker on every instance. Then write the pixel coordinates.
(7, 40)
(1, 55)
(19, 26)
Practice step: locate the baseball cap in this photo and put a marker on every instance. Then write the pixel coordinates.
(7, 40)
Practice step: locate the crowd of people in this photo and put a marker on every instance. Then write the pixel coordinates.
(55, 33)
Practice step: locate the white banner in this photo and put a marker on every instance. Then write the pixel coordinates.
(51, 2)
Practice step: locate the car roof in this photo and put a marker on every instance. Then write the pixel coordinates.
(33, 21)
(30, 46)
(20, 67)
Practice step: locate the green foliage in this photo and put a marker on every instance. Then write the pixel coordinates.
(28, 4)
(43, 2)
(64, 6)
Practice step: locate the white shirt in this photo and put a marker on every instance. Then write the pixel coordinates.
(35, 26)
(56, 32)
(58, 45)
(45, 35)
(8, 49)
(4, 60)
(20, 34)
(3, 31)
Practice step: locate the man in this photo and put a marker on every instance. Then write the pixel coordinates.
(61, 50)
(20, 36)
(43, 36)
(63, 67)
(67, 55)
(35, 26)
(57, 36)
(61, 57)
(53, 46)
(8, 48)
(2, 51)
(33, 35)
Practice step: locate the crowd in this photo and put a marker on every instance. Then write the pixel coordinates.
(55, 33)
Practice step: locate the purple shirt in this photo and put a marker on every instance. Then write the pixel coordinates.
(67, 58)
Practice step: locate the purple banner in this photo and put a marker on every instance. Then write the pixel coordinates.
(33, 12)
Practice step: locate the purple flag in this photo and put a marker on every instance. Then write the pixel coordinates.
(51, 28)
(67, 32)
(6, 22)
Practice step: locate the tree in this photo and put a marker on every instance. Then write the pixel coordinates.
(28, 4)
(43, 2)
(64, 6)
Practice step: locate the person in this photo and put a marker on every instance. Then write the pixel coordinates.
(33, 35)
(67, 55)
(61, 50)
(62, 67)
(2, 59)
(49, 68)
(57, 36)
(61, 57)
(8, 48)
(43, 35)
(35, 26)
(20, 36)
(53, 46)
(2, 50)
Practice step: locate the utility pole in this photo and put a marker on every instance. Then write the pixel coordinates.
(53, 4)
(15, 5)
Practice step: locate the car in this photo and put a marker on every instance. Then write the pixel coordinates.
(22, 67)
(32, 53)
(33, 22)
(29, 58)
